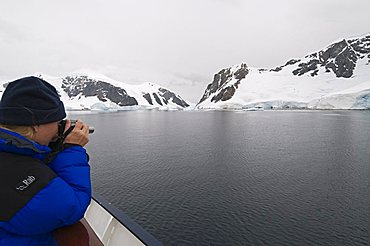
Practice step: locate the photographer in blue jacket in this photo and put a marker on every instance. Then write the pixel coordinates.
(41, 188)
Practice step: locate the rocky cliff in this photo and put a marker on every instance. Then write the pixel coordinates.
(339, 66)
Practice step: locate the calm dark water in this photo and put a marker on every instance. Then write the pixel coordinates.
(237, 178)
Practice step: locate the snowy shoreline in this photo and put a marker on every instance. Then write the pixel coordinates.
(88, 111)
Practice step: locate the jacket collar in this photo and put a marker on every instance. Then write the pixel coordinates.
(15, 143)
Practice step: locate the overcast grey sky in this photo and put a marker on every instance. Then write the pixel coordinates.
(179, 44)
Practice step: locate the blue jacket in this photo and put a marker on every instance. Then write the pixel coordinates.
(38, 197)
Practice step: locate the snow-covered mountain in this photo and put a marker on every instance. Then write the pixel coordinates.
(336, 77)
(97, 92)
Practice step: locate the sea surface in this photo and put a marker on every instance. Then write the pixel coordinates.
(237, 178)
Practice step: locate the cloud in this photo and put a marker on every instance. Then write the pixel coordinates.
(10, 33)
(179, 44)
(193, 78)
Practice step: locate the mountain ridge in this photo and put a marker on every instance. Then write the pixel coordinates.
(309, 82)
(82, 91)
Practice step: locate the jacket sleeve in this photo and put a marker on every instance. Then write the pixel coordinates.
(62, 202)
(72, 166)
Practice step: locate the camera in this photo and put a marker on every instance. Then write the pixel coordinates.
(62, 126)
(73, 124)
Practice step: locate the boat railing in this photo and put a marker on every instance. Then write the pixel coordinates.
(113, 227)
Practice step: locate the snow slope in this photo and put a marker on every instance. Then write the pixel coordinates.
(337, 77)
(81, 91)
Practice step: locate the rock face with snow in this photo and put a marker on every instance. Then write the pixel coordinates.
(97, 92)
(120, 94)
(336, 77)
(163, 97)
(340, 58)
(220, 84)
(84, 86)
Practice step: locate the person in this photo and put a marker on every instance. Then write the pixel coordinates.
(41, 190)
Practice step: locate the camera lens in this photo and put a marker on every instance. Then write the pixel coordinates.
(91, 128)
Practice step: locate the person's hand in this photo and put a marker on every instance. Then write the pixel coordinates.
(79, 135)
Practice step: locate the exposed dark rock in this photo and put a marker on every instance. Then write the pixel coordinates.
(262, 70)
(168, 95)
(220, 80)
(148, 98)
(241, 72)
(333, 51)
(313, 55)
(306, 67)
(277, 69)
(84, 86)
(292, 62)
(340, 58)
(157, 99)
(5, 84)
(224, 95)
(314, 73)
(344, 63)
(362, 46)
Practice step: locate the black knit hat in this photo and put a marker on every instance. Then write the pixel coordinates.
(30, 101)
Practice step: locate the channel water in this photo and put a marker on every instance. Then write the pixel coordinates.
(235, 177)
